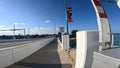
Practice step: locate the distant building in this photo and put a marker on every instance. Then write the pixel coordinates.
(116, 39)
(118, 3)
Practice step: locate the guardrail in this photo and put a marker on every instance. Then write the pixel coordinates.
(107, 59)
(11, 55)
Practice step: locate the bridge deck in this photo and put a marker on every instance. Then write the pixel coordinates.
(11, 42)
(47, 57)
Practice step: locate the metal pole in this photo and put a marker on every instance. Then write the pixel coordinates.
(20, 30)
(14, 32)
(28, 33)
(24, 33)
(67, 26)
(54, 29)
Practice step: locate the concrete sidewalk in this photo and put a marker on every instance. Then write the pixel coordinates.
(46, 57)
(50, 56)
(67, 57)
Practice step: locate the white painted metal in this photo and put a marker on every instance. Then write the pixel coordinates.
(103, 26)
(118, 3)
(99, 9)
(107, 59)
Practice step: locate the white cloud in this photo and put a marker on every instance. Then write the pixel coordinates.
(16, 23)
(22, 23)
(47, 21)
(57, 30)
(2, 27)
(6, 31)
(32, 31)
(39, 30)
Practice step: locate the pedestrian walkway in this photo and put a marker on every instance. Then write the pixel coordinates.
(47, 57)
(67, 57)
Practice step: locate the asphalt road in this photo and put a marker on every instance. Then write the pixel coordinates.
(10, 42)
(46, 57)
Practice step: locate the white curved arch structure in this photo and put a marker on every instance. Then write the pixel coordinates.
(103, 24)
(118, 3)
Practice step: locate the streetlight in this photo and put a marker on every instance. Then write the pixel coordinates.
(54, 29)
(14, 30)
(28, 33)
(21, 27)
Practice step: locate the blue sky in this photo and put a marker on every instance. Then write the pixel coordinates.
(35, 13)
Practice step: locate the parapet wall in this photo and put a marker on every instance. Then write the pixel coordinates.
(11, 55)
(107, 59)
(65, 42)
(88, 54)
(87, 43)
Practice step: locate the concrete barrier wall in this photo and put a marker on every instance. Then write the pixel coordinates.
(6, 57)
(107, 59)
(14, 54)
(65, 42)
(87, 43)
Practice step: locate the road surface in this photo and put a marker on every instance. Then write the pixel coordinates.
(46, 57)
(10, 42)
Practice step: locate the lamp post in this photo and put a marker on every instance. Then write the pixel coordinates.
(20, 28)
(54, 26)
(21, 24)
(14, 29)
(54, 29)
(14, 32)
(24, 33)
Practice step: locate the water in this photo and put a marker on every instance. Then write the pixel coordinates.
(116, 39)
(73, 43)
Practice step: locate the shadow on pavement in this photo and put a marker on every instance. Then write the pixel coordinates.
(35, 65)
